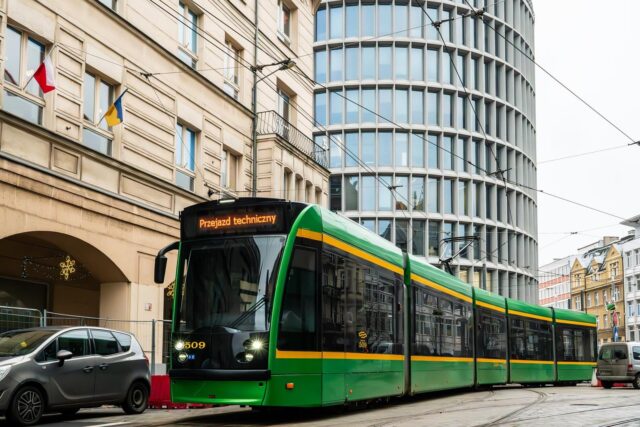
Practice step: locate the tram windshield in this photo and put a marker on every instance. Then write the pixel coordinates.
(228, 284)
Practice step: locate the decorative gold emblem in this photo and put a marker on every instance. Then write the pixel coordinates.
(67, 267)
(170, 289)
(362, 344)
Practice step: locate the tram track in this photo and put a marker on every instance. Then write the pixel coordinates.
(542, 396)
(441, 410)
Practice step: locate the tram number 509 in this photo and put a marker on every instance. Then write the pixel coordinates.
(194, 345)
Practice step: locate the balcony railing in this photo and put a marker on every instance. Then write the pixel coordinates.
(270, 122)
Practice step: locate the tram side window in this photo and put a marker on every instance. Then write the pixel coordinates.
(575, 343)
(518, 343)
(359, 302)
(333, 302)
(492, 335)
(539, 341)
(442, 326)
(298, 312)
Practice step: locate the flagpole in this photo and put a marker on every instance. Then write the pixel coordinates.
(43, 59)
(114, 102)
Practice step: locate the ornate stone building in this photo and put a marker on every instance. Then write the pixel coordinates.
(84, 207)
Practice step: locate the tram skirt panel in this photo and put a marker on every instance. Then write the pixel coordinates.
(431, 373)
(491, 371)
(531, 371)
(575, 371)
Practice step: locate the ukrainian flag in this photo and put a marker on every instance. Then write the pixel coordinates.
(114, 115)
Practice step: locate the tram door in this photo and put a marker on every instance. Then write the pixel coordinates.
(333, 329)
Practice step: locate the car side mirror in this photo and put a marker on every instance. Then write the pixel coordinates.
(63, 355)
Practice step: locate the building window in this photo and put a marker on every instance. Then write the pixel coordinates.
(229, 170)
(231, 76)
(284, 104)
(286, 182)
(284, 22)
(111, 4)
(188, 36)
(23, 56)
(185, 156)
(98, 96)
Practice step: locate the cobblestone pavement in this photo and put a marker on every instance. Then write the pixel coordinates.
(502, 406)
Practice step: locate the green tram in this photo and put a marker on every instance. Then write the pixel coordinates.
(288, 304)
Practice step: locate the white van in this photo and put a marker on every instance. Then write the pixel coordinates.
(619, 362)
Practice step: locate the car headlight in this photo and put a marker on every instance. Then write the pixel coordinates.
(4, 370)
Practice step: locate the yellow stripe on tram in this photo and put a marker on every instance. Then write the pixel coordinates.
(335, 355)
(339, 244)
(281, 354)
(573, 322)
(577, 363)
(532, 316)
(308, 234)
(440, 288)
(532, 362)
(416, 358)
(490, 306)
(485, 360)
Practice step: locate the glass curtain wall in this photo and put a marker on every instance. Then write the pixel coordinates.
(431, 122)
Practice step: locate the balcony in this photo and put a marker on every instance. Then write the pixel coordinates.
(272, 123)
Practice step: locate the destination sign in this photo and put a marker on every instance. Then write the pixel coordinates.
(234, 220)
(230, 221)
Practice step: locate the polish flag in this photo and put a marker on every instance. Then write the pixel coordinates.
(44, 75)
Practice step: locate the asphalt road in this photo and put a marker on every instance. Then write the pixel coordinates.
(503, 406)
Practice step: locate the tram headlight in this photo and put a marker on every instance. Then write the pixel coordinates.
(256, 345)
(248, 357)
(179, 345)
(182, 357)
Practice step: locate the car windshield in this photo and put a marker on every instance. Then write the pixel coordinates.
(228, 283)
(16, 343)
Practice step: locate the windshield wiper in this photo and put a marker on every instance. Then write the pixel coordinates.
(249, 312)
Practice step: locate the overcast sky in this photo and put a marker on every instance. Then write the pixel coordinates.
(592, 47)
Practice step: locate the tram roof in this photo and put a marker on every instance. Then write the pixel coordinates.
(489, 298)
(574, 316)
(319, 219)
(422, 268)
(523, 307)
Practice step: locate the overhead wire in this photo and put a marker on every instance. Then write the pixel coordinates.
(355, 157)
(557, 80)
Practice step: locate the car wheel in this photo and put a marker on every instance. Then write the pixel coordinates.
(607, 384)
(636, 382)
(137, 399)
(27, 407)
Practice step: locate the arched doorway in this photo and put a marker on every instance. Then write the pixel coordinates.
(57, 272)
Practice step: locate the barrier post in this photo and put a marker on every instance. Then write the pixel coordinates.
(153, 346)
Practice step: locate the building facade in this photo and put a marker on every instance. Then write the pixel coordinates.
(422, 131)
(631, 262)
(85, 207)
(554, 283)
(597, 288)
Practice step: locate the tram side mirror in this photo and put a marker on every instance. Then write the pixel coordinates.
(159, 268)
(160, 265)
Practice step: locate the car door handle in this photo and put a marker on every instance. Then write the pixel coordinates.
(103, 366)
(88, 369)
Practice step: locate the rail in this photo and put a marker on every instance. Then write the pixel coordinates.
(270, 123)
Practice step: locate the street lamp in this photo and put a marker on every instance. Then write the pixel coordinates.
(285, 64)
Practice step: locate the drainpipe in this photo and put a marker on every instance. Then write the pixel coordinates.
(254, 107)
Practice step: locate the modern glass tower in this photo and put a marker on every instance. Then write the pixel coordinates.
(433, 170)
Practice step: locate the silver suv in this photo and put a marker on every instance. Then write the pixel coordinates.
(619, 362)
(61, 370)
